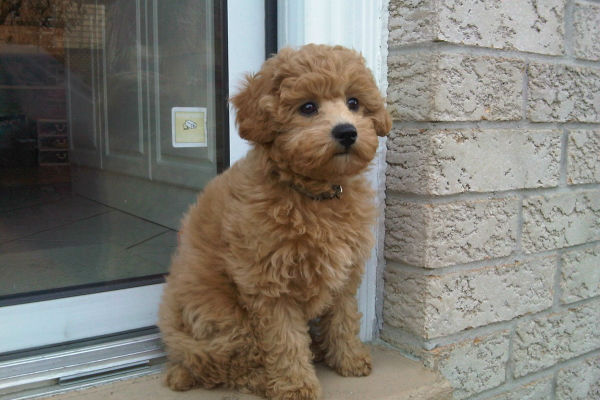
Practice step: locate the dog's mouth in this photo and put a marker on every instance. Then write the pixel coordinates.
(345, 152)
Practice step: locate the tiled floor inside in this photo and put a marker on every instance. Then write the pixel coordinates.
(54, 239)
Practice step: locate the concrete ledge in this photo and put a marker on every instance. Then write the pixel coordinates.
(394, 377)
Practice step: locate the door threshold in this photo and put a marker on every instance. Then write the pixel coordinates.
(85, 365)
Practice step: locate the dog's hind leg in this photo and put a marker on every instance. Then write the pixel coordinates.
(232, 360)
(201, 337)
(179, 378)
(194, 362)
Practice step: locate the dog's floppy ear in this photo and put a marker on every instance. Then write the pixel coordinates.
(255, 107)
(382, 121)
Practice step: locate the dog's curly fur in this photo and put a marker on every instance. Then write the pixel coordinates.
(258, 258)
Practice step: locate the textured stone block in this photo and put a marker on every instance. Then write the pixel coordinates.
(586, 20)
(561, 93)
(410, 86)
(435, 235)
(528, 25)
(411, 21)
(431, 306)
(583, 156)
(402, 340)
(442, 162)
(454, 87)
(472, 366)
(536, 390)
(580, 381)
(547, 340)
(561, 220)
(580, 277)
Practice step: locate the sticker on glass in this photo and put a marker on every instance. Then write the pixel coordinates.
(188, 126)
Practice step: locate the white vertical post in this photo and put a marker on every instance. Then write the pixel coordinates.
(246, 53)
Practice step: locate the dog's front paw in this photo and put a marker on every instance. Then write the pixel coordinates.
(288, 389)
(358, 363)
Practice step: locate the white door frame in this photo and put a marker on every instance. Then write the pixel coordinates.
(73, 318)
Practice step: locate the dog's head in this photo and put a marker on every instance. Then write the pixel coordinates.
(317, 110)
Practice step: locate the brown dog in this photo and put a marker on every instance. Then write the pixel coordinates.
(281, 237)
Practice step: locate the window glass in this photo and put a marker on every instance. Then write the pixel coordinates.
(112, 118)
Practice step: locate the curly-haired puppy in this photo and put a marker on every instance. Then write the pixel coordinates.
(281, 238)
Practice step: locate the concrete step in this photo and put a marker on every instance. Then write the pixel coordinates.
(394, 377)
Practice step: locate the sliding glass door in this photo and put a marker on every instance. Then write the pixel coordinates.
(113, 116)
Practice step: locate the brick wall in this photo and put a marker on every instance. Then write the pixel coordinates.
(493, 194)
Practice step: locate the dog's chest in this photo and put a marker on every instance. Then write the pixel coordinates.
(318, 250)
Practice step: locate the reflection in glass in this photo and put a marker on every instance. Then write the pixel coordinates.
(91, 186)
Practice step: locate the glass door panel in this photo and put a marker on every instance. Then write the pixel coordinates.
(112, 118)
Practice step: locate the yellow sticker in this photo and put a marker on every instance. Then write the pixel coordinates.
(189, 126)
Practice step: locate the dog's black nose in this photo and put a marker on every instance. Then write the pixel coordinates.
(345, 134)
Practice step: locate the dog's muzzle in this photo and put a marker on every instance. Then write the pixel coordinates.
(345, 134)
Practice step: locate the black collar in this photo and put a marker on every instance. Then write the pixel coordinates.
(335, 193)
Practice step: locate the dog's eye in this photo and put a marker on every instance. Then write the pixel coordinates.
(352, 103)
(308, 108)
